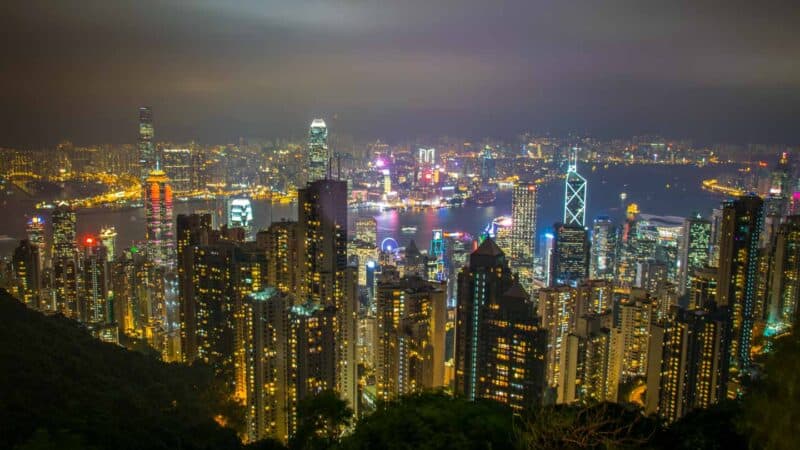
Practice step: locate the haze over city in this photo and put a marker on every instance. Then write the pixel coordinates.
(217, 71)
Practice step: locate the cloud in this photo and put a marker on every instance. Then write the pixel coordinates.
(218, 70)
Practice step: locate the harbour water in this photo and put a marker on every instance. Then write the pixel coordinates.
(663, 190)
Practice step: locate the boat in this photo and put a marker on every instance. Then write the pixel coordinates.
(409, 230)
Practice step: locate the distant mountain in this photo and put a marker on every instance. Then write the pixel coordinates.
(61, 388)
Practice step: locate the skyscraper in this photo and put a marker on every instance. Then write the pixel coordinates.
(500, 346)
(690, 354)
(282, 243)
(367, 230)
(604, 239)
(318, 155)
(784, 279)
(108, 237)
(65, 265)
(523, 225)
(741, 226)
(570, 260)
(411, 316)
(158, 219)
(326, 278)
(192, 232)
(147, 149)
(28, 274)
(93, 302)
(574, 194)
(695, 249)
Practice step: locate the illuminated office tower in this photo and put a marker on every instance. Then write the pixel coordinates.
(592, 361)
(414, 260)
(635, 318)
(65, 264)
(488, 164)
(265, 342)
(497, 333)
(147, 149)
(27, 274)
(93, 301)
(570, 259)
(158, 220)
(688, 368)
(177, 164)
(326, 278)
(742, 221)
(367, 230)
(193, 231)
(427, 156)
(557, 307)
(108, 238)
(318, 154)
(574, 193)
(411, 316)
(694, 249)
(603, 252)
(240, 214)
(282, 244)
(784, 279)
(523, 225)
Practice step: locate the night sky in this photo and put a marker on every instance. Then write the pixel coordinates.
(214, 71)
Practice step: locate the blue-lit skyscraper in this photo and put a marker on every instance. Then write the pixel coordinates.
(574, 194)
(317, 150)
(742, 222)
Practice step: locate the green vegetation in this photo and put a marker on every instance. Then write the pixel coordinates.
(61, 388)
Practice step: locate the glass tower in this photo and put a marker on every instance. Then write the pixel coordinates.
(317, 150)
(147, 149)
(574, 194)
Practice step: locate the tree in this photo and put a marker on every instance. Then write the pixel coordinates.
(434, 421)
(321, 421)
(597, 426)
(771, 410)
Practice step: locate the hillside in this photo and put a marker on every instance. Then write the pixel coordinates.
(60, 388)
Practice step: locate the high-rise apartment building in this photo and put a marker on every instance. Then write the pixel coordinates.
(784, 280)
(500, 344)
(741, 226)
(411, 316)
(65, 263)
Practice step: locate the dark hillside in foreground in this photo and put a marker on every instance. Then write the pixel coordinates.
(61, 388)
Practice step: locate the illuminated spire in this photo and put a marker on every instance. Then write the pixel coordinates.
(575, 193)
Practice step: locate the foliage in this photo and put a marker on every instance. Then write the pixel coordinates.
(321, 420)
(597, 426)
(705, 429)
(61, 388)
(771, 411)
(434, 421)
